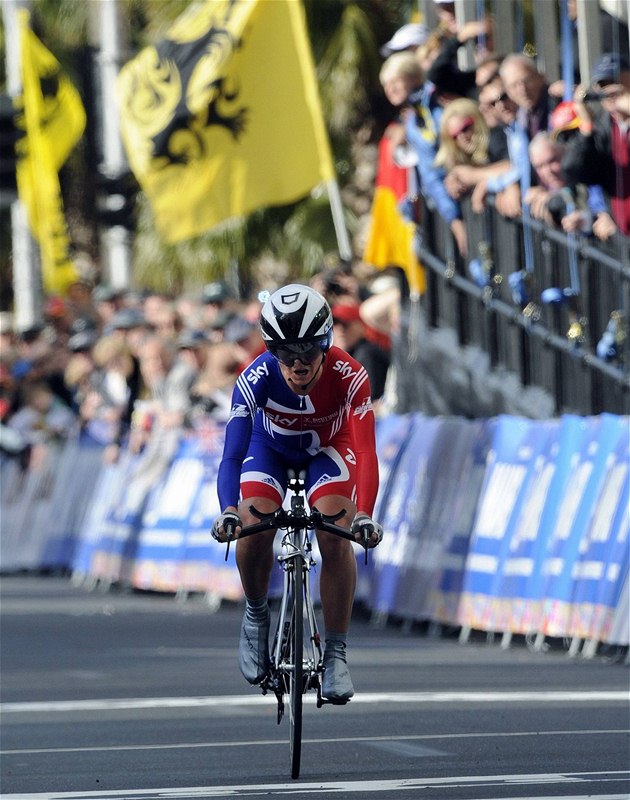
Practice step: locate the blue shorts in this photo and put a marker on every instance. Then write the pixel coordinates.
(331, 471)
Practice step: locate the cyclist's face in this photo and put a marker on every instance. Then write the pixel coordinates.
(301, 375)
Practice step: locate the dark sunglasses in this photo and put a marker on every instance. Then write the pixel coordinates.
(500, 99)
(287, 354)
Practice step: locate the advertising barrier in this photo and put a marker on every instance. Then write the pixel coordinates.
(504, 525)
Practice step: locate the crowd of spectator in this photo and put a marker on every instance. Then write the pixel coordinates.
(503, 128)
(133, 369)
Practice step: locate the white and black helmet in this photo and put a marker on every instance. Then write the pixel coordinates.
(297, 316)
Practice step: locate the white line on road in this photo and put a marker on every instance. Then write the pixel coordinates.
(135, 703)
(327, 740)
(337, 787)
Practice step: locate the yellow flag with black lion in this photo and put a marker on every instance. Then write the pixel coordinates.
(223, 116)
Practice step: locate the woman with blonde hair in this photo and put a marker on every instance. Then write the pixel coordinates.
(464, 135)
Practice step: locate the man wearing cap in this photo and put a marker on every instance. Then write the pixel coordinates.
(601, 151)
(409, 37)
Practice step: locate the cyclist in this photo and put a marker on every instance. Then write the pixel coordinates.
(303, 404)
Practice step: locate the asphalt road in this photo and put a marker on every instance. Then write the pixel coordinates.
(125, 695)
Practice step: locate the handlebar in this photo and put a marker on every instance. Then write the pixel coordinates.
(283, 519)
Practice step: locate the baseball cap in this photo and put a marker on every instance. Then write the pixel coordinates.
(411, 35)
(216, 292)
(608, 66)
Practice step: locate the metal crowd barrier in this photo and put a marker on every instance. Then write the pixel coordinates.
(550, 308)
(506, 525)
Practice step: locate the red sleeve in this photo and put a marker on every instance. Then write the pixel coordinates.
(362, 431)
(364, 439)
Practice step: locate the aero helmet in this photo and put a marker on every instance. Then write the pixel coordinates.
(296, 318)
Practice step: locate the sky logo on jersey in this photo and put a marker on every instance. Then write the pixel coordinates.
(364, 408)
(255, 374)
(282, 421)
(344, 368)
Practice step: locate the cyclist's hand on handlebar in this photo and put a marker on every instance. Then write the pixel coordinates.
(227, 526)
(366, 531)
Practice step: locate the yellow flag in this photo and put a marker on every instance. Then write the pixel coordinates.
(223, 116)
(53, 121)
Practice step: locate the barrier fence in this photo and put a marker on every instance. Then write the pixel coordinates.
(554, 309)
(506, 525)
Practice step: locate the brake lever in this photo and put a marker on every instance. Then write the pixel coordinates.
(230, 530)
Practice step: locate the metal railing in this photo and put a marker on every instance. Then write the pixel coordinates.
(555, 313)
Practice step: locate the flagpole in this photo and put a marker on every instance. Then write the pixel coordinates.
(27, 291)
(336, 207)
(107, 28)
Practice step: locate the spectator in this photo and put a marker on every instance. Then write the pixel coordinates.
(349, 334)
(217, 298)
(42, 420)
(403, 82)
(336, 284)
(492, 100)
(552, 200)
(564, 123)
(106, 301)
(526, 114)
(464, 139)
(465, 177)
(211, 394)
(108, 407)
(528, 88)
(444, 71)
(246, 340)
(171, 371)
(600, 153)
(409, 37)
(487, 70)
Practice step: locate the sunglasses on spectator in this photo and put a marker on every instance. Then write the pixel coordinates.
(467, 125)
(500, 99)
(287, 354)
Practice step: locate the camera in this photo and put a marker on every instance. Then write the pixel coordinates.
(593, 96)
(558, 207)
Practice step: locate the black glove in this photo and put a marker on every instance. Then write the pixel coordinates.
(366, 531)
(225, 525)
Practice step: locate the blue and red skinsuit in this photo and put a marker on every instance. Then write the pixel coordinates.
(329, 432)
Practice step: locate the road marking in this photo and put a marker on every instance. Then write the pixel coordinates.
(327, 740)
(225, 701)
(360, 787)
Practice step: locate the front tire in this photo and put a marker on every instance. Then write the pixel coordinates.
(296, 675)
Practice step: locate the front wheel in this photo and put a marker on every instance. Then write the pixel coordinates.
(296, 677)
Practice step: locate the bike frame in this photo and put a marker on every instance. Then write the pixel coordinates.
(296, 654)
